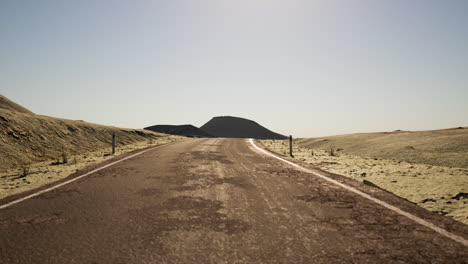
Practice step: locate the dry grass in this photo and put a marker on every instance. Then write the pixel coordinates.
(446, 147)
(41, 173)
(47, 145)
(28, 138)
(436, 188)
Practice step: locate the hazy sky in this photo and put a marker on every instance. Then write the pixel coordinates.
(307, 68)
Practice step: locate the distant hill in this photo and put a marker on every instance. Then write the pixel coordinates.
(7, 104)
(236, 127)
(182, 130)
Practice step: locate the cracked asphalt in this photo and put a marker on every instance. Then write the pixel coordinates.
(218, 201)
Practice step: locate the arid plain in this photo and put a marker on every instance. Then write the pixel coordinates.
(429, 168)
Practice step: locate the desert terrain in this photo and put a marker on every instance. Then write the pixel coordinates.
(36, 150)
(382, 159)
(220, 200)
(443, 147)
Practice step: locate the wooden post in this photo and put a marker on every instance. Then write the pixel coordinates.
(290, 147)
(113, 143)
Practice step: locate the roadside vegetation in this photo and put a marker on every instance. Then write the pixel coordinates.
(444, 147)
(441, 189)
(36, 150)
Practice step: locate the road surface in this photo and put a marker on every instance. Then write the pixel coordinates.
(218, 201)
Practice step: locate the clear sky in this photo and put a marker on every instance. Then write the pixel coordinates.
(307, 68)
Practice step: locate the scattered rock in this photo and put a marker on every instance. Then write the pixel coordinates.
(12, 134)
(363, 174)
(428, 200)
(461, 195)
(410, 147)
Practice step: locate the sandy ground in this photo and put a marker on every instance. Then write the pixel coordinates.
(46, 172)
(442, 147)
(437, 188)
(218, 200)
(28, 139)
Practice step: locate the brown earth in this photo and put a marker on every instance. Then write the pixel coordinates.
(444, 147)
(7, 104)
(43, 173)
(36, 150)
(437, 188)
(26, 138)
(218, 201)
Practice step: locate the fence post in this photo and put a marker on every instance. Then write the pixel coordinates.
(113, 143)
(290, 146)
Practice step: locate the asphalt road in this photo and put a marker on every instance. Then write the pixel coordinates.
(218, 201)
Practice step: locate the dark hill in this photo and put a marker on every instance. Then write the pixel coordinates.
(9, 105)
(236, 127)
(182, 130)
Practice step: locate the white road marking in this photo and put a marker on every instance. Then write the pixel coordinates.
(72, 180)
(365, 195)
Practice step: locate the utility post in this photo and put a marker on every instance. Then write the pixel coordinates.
(290, 147)
(113, 143)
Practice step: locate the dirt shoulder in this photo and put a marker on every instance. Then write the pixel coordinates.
(16, 181)
(436, 188)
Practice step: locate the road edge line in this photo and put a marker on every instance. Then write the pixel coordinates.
(3, 206)
(367, 196)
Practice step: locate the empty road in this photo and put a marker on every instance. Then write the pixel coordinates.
(218, 201)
